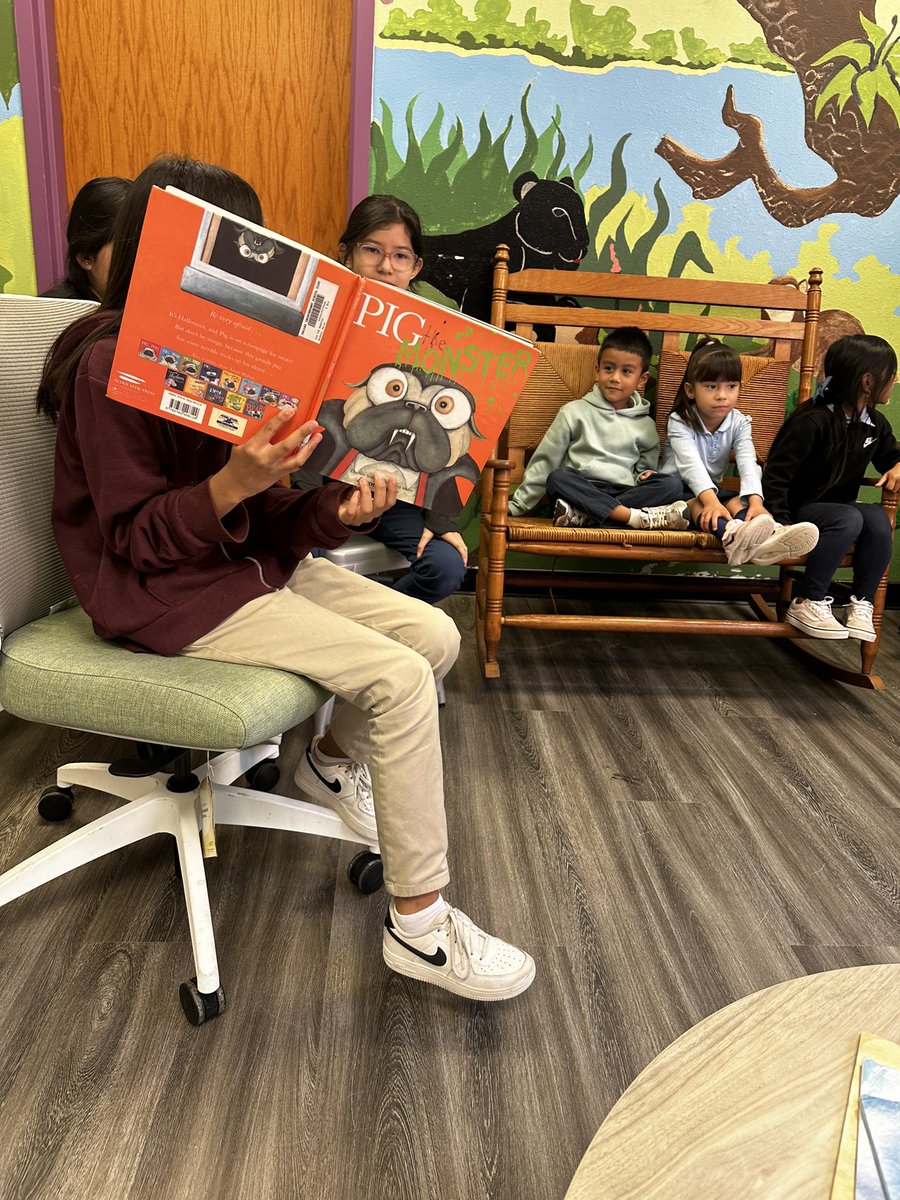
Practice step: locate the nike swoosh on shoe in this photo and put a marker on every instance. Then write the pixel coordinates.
(333, 785)
(438, 959)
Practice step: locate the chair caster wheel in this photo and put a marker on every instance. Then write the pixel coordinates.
(56, 803)
(365, 871)
(200, 1007)
(263, 776)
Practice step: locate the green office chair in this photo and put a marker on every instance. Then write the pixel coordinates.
(56, 671)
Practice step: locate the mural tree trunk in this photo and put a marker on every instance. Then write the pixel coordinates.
(866, 160)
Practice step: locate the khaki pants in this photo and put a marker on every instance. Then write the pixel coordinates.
(380, 652)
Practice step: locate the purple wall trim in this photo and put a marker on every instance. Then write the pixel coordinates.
(39, 76)
(363, 53)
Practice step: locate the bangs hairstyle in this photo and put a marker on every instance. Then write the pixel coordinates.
(380, 212)
(628, 340)
(215, 185)
(711, 362)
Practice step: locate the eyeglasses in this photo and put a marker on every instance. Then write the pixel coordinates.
(402, 261)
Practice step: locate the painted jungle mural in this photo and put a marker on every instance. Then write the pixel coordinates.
(16, 247)
(740, 139)
(668, 150)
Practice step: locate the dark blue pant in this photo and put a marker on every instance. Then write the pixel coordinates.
(598, 498)
(840, 526)
(438, 572)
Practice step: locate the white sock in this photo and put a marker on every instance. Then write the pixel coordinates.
(326, 759)
(415, 924)
(637, 520)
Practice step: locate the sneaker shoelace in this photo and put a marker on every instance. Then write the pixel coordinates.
(362, 786)
(466, 942)
(658, 519)
(822, 608)
(861, 608)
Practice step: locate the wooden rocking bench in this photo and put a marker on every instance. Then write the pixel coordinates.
(566, 371)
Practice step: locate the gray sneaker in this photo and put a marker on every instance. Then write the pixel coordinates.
(665, 516)
(567, 517)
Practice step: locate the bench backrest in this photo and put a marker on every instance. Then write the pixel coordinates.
(566, 369)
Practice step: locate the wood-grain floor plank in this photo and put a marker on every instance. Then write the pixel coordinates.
(667, 824)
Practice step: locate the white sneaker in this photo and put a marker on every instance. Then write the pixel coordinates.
(665, 516)
(565, 516)
(344, 787)
(814, 618)
(460, 957)
(741, 538)
(858, 617)
(787, 541)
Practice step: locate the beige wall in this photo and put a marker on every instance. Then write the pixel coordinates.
(262, 88)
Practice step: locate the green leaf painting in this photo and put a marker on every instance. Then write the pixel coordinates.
(596, 37)
(865, 72)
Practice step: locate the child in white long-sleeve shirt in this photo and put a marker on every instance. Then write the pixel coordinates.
(597, 461)
(703, 431)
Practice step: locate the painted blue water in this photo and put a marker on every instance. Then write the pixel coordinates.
(647, 103)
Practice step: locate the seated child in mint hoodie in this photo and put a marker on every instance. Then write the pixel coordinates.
(597, 461)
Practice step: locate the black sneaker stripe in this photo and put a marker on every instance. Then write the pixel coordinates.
(438, 959)
(332, 784)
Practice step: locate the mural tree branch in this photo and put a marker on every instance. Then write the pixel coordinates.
(859, 141)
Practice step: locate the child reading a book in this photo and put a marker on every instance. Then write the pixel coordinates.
(180, 543)
(383, 241)
(703, 431)
(597, 461)
(814, 472)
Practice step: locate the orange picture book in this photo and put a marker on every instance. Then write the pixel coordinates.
(226, 322)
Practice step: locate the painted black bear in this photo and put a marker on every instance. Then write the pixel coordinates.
(546, 229)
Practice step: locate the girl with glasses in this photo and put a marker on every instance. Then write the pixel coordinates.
(383, 241)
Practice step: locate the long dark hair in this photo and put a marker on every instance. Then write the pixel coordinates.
(215, 185)
(92, 218)
(711, 361)
(846, 362)
(378, 212)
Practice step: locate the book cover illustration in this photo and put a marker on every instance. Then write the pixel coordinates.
(429, 409)
(226, 321)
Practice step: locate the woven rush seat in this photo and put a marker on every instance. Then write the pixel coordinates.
(541, 529)
(56, 671)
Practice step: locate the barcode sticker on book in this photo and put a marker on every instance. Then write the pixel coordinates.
(181, 406)
(320, 306)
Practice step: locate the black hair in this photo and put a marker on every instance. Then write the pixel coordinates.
(845, 364)
(378, 212)
(628, 340)
(710, 361)
(90, 227)
(215, 185)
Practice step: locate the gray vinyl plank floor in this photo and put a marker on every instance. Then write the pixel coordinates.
(668, 824)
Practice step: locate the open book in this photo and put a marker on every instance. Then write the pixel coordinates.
(225, 322)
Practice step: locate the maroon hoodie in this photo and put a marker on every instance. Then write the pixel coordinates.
(149, 560)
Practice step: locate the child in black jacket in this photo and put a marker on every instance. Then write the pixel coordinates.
(814, 471)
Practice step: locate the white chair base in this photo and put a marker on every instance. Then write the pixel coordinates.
(151, 808)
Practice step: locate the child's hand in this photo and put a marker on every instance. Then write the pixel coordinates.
(645, 475)
(890, 480)
(755, 507)
(710, 514)
(260, 462)
(365, 503)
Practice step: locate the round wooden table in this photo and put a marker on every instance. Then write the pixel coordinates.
(750, 1102)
